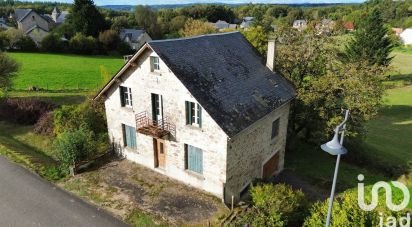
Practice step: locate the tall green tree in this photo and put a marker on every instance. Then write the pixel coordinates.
(370, 42)
(8, 68)
(86, 19)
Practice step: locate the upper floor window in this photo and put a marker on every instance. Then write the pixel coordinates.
(193, 159)
(154, 64)
(193, 114)
(275, 128)
(126, 96)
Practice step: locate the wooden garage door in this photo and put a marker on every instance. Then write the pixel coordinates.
(270, 167)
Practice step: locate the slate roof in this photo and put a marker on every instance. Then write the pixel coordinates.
(21, 13)
(133, 34)
(227, 77)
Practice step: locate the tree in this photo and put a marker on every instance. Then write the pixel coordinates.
(109, 39)
(8, 68)
(370, 43)
(81, 44)
(14, 36)
(196, 27)
(4, 41)
(146, 18)
(86, 19)
(325, 85)
(258, 38)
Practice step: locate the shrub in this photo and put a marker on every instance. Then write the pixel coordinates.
(54, 43)
(109, 39)
(90, 115)
(346, 211)
(4, 41)
(24, 111)
(275, 205)
(26, 44)
(44, 125)
(73, 146)
(81, 44)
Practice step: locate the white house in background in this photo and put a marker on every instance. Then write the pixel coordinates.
(406, 36)
(221, 25)
(59, 16)
(203, 110)
(300, 24)
(134, 37)
(247, 22)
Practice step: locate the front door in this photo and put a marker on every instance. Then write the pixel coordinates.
(271, 166)
(157, 107)
(159, 151)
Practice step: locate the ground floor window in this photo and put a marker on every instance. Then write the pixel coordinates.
(129, 136)
(193, 159)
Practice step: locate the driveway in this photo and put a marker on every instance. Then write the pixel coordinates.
(28, 200)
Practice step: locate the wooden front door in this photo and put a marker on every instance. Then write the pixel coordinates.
(271, 166)
(160, 152)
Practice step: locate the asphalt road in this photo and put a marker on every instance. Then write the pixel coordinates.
(28, 200)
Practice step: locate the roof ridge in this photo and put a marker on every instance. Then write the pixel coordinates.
(193, 37)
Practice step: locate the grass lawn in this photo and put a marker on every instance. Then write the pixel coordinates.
(63, 72)
(19, 144)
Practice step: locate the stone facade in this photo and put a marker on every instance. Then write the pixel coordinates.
(210, 138)
(249, 150)
(31, 20)
(229, 164)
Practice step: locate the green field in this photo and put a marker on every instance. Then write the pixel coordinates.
(63, 72)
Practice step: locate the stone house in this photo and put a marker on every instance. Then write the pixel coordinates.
(34, 25)
(246, 22)
(134, 37)
(204, 110)
(221, 25)
(300, 24)
(406, 36)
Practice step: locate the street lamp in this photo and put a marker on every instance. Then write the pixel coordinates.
(334, 147)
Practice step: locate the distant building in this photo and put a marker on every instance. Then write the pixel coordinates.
(326, 26)
(134, 37)
(247, 22)
(397, 31)
(221, 25)
(300, 24)
(349, 26)
(406, 36)
(3, 24)
(59, 16)
(37, 26)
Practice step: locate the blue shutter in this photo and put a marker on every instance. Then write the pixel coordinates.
(199, 109)
(195, 159)
(130, 136)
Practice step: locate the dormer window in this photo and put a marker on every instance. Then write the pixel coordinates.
(126, 96)
(154, 63)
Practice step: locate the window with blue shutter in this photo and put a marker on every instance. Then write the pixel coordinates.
(194, 159)
(193, 114)
(129, 136)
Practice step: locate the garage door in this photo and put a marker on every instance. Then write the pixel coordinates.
(270, 167)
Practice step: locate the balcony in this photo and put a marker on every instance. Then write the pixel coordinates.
(161, 129)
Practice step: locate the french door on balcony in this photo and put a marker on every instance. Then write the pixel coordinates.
(157, 107)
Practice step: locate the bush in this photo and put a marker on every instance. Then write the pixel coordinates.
(275, 205)
(44, 125)
(53, 43)
(81, 44)
(346, 211)
(90, 115)
(73, 146)
(26, 44)
(24, 111)
(109, 39)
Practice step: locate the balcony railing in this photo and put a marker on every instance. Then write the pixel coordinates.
(157, 129)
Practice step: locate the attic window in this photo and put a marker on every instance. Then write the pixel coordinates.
(154, 64)
(33, 18)
(193, 114)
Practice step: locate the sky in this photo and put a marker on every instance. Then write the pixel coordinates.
(162, 2)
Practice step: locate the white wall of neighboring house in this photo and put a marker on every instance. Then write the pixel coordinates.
(406, 36)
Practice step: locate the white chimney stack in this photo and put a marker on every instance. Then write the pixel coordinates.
(270, 61)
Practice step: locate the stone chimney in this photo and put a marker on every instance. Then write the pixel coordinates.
(271, 55)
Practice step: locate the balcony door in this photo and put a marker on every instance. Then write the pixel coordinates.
(157, 107)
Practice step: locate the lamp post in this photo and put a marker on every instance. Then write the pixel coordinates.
(334, 147)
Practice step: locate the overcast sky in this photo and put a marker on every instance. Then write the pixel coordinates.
(161, 2)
